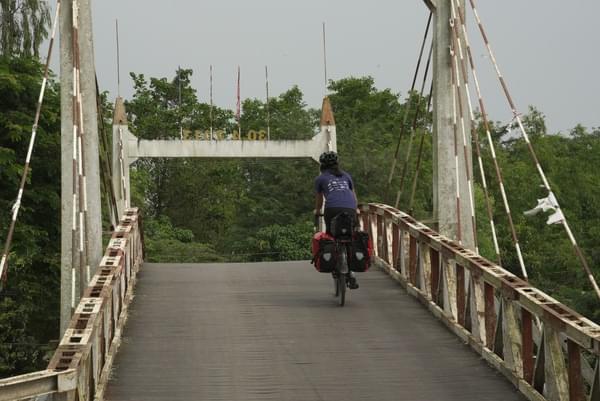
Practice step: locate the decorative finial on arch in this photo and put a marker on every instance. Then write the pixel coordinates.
(327, 113)
(119, 115)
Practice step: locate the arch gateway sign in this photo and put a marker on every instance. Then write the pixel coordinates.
(127, 148)
(223, 135)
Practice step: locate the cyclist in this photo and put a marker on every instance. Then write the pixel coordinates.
(335, 187)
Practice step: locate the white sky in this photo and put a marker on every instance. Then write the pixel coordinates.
(548, 50)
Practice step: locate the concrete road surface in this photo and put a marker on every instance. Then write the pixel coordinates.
(273, 331)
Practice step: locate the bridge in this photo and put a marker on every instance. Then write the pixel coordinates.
(273, 331)
(433, 319)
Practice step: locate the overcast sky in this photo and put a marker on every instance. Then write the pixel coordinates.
(548, 50)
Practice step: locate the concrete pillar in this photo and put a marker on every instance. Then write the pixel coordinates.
(328, 125)
(92, 166)
(120, 157)
(444, 171)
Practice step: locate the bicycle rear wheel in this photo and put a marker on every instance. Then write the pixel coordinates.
(341, 287)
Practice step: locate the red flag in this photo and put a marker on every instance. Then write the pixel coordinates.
(238, 106)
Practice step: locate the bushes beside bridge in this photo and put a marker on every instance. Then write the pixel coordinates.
(167, 244)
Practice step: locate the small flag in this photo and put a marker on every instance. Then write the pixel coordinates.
(545, 204)
(556, 218)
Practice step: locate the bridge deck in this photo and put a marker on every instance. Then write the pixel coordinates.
(274, 332)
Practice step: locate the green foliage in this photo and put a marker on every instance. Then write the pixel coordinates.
(165, 243)
(484, 229)
(29, 302)
(279, 242)
(366, 119)
(289, 118)
(369, 123)
(23, 27)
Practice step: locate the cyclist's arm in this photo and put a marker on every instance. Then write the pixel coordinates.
(353, 189)
(356, 200)
(318, 203)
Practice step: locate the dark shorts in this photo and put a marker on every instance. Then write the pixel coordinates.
(331, 212)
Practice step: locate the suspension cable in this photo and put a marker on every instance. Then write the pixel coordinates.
(74, 242)
(491, 144)
(474, 132)
(542, 175)
(106, 160)
(17, 205)
(407, 109)
(419, 157)
(456, 171)
(459, 95)
(122, 168)
(413, 128)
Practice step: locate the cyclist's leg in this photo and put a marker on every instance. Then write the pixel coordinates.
(329, 214)
(352, 282)
(351, 277)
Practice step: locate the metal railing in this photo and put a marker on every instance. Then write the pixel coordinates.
(81, 365)
(548, 351)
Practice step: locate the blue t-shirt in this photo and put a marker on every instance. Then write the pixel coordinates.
(338, 191)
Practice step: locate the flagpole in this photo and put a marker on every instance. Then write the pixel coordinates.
(118, 60)
(211, 102)
(325, 56)
(239, 104)
(268, 113)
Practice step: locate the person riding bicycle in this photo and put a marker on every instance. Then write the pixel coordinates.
(336, 188)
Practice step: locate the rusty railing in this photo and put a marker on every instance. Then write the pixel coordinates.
(548, 351)
(81, 365)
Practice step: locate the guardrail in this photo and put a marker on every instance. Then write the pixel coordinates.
(548, 351)
(81, 365)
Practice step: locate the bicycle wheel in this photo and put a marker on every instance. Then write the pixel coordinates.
(336, 287)
(341, 285)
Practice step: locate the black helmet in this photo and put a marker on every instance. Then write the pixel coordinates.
(328, 159)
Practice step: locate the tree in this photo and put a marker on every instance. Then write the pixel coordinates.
(166, 243)
(23, 27)
(29, 302)
(369, 122)
(279, 242)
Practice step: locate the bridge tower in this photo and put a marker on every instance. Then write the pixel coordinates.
(90, 146)
(444, 171)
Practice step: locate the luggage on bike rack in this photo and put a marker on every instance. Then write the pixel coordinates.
(361, 253)
(323, 251)
(342, 226)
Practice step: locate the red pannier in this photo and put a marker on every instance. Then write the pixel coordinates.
(361, 255)
(323, 251)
